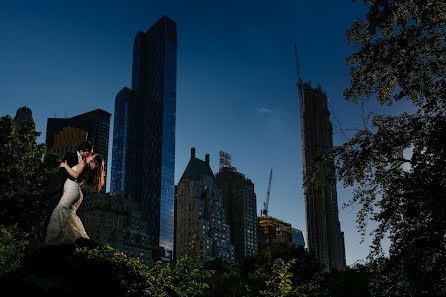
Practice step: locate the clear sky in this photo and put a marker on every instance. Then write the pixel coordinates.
(236, 82)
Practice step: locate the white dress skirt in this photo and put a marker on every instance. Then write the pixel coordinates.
(65, 226)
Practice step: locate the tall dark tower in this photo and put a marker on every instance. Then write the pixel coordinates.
(324, 236)
(239, 201)
(148, 109)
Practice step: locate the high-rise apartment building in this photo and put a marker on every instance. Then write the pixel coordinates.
(116, 220)
(321, 205)
(200, 220)
(96, 123)
(239, 201)
(144, 131)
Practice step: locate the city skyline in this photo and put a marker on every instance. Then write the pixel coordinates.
(236, 80)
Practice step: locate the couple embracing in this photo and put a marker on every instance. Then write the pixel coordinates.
(76, 170)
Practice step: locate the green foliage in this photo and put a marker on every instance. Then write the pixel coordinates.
(354, 281)
(12, 245)
(227, 279)
(400, 53)
(302, 269)
(104, 271)
(279, 282)
(23, 178)
(187, 277)
(110, 272)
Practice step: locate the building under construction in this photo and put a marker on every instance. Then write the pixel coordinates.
(324, 236)
(274, 232)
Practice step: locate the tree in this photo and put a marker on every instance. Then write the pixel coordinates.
(399, 54)
(23, 177)
(227, 279)
(185, 277)
(67, 271)
(12, 246)
(269, 270)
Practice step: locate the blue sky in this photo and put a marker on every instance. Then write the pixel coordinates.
(236, 82)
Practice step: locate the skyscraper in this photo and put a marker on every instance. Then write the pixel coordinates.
(144, 135)
(96, 123)
(200, 215)
(239, 201)
(117, 179)
(321, 205)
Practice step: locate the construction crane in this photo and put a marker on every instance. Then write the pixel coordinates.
(300, 87)
(265, 204)
(299, 78)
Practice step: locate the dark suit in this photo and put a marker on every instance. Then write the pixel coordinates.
(56, 183)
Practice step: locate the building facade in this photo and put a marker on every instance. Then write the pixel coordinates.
(67, 140)
(200, 222)
(97, 125)
(239, 201)
(275, 232)
(321, 205)
(298, 237)
(343, 250)
(116, 221)
(145, 130)
(119, 150)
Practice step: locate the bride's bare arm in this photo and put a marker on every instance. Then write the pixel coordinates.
(74, 173)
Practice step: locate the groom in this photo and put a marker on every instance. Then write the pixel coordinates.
(56, 183)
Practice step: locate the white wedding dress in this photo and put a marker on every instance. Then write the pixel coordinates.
(65, 226)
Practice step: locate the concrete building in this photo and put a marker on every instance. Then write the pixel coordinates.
(116, 221)
(239, 201)
(200, 222)
(95, 123)
(275, 232)
(321, 205)
(144, 132)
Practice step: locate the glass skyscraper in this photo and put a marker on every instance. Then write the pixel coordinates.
(117, 180)
(146, 172)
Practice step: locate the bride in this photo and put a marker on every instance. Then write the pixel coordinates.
(64, 226)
